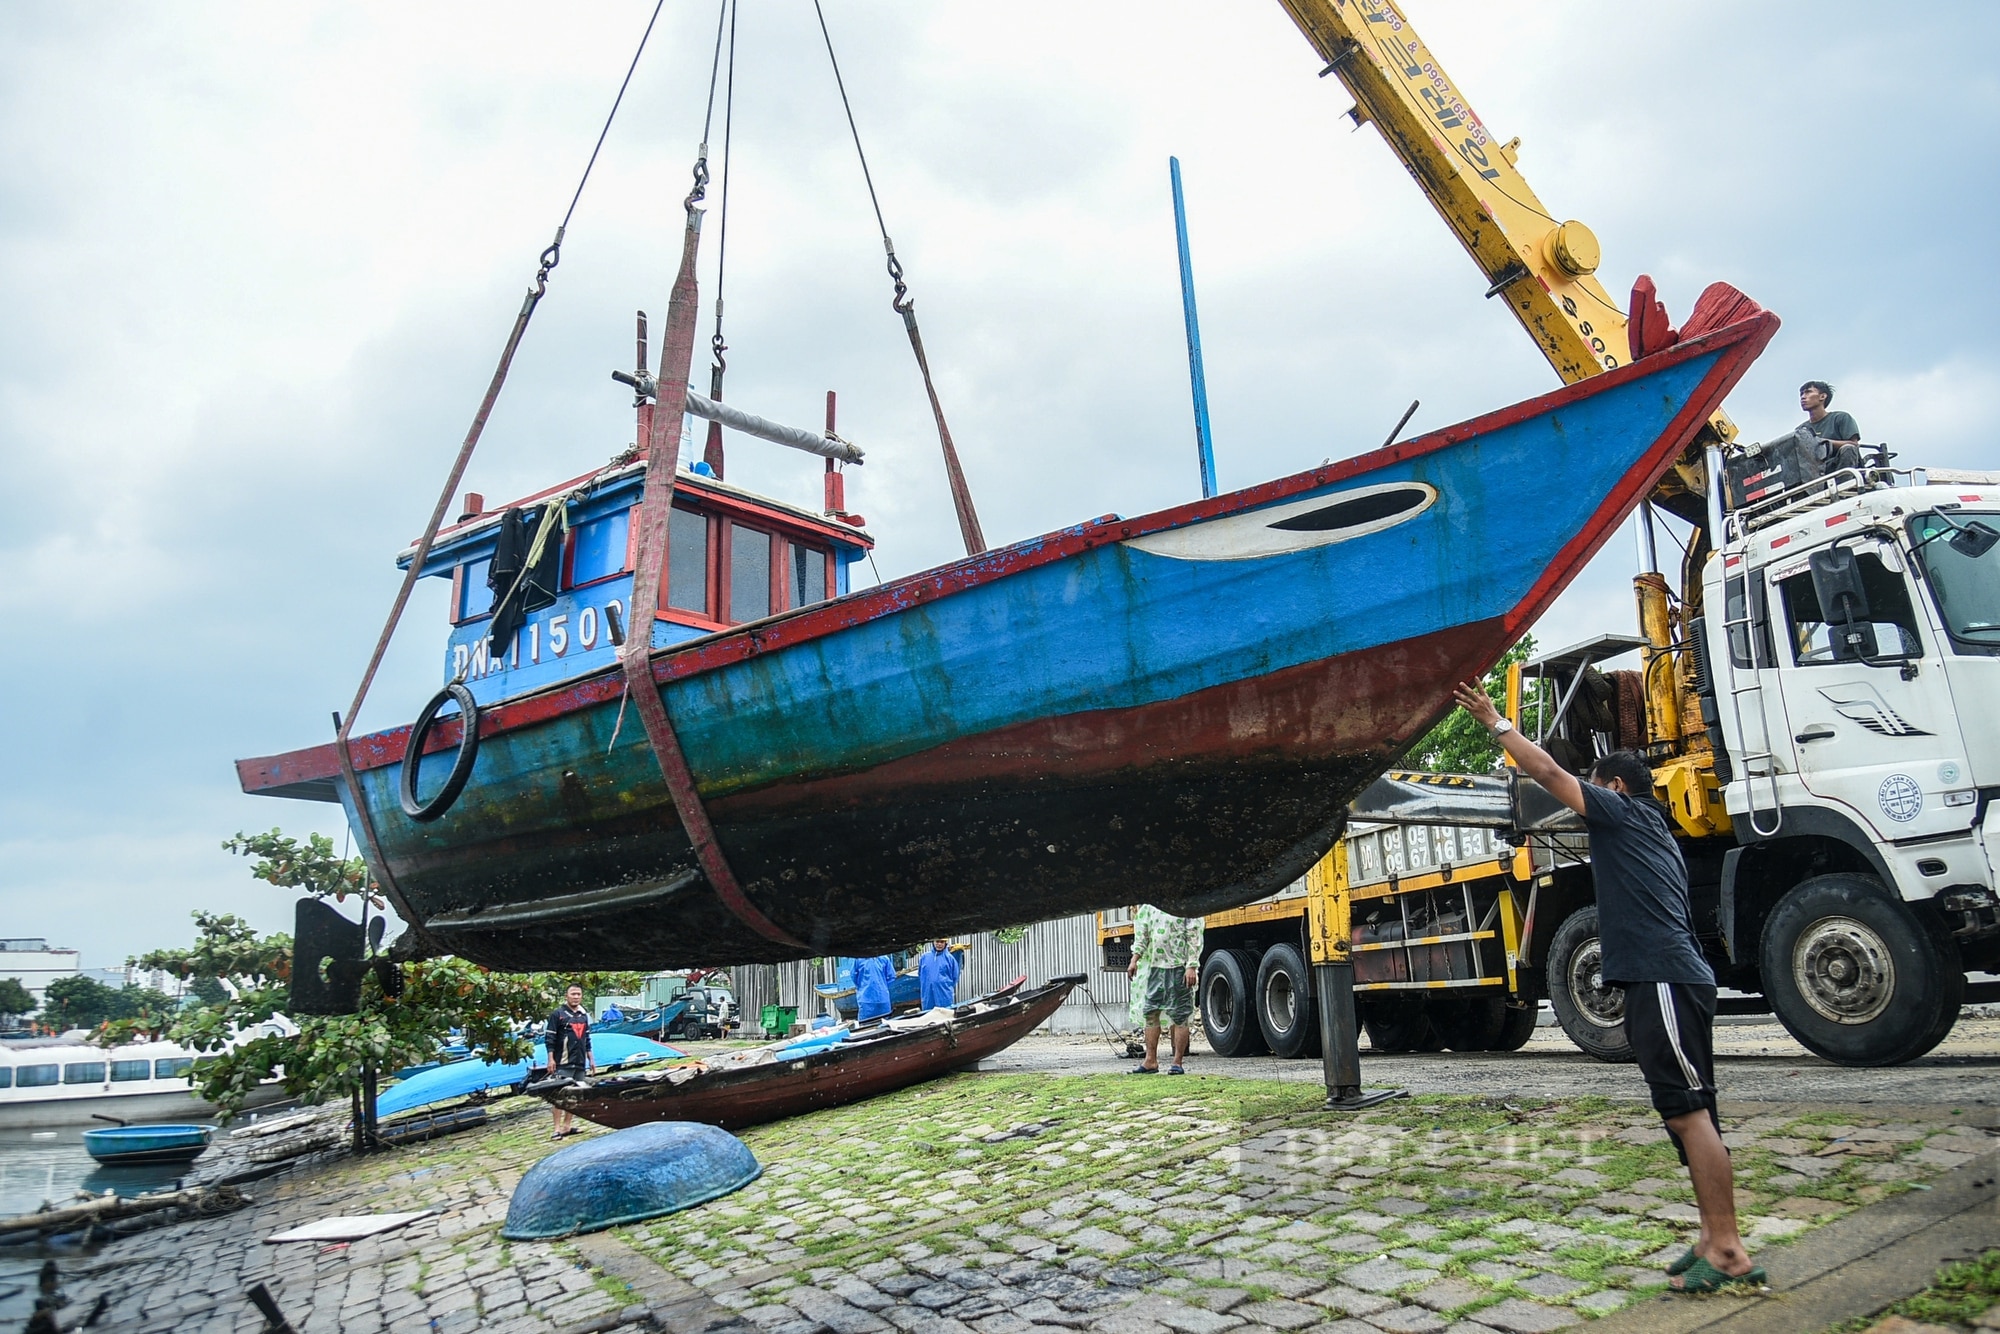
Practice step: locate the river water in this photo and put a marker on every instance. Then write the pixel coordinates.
(51, 1165)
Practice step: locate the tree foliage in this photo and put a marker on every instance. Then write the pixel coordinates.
(1459, 745)
(15, 999)
(84, 1002)
(244, 1042)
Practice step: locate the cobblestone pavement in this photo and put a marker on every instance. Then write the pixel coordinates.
(1006, 1204)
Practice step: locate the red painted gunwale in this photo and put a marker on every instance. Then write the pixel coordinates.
(1738, 344)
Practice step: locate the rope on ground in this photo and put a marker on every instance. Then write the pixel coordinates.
(906, 306)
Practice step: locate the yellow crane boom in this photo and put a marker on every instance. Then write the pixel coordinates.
(1541, 265)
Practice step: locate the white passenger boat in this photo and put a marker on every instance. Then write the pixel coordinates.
(69, 1080)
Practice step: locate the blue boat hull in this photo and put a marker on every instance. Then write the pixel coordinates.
(1173, 709)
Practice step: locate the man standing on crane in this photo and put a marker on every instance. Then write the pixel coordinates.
(1646, 934)
(1816, 397)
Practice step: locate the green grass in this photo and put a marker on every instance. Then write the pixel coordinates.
(1959, 1293)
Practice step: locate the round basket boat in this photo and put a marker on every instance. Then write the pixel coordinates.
(644, 1172)
(135, 1145)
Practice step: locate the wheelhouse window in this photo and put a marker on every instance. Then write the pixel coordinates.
(124, 1072)
(598, 550)
(1967, 587)
(749, 573)
(37, 1076)
(808, 575)
(6, 1076)
(687, 561)
(1889, 632)
(475, 599)
(84, 1072)
(172, 1067)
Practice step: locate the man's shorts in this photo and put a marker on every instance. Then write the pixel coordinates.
(1671, 1028)
(1167, 993)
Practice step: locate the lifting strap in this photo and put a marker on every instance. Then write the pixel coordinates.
(663, 449)
(378, 861)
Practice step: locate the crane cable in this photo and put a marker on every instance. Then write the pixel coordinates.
(904, 305)
(712, 449)
(550, 257)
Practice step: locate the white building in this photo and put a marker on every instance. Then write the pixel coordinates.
(36, 965)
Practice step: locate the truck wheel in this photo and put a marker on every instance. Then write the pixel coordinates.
(1285, 1010)
(1591, 1013)
(1470, 1024)
(1398, 1025)
(1228, 1010)
(1517, 1027)
(1856, 976)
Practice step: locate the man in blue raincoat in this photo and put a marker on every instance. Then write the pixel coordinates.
(871, 986)
(937, 976)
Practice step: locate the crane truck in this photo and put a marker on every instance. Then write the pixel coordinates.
(1815, 698)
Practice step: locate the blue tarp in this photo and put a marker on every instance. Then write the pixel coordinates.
(461, 1079)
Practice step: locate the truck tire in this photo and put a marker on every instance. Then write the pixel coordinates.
(1469, 1024)
(1285, 1010)
(1855, 975)
(1397, 1025)
(1591, 1013)
(1228, 1005)
(1517, 1027)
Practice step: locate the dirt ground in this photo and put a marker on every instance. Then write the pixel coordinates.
(1755, 1062)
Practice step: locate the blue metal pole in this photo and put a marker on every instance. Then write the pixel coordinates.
(1203, 441)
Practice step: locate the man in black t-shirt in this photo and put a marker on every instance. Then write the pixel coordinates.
(1646, 935)
(1816, 401)
(567, 1038)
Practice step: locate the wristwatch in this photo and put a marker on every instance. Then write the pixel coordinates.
(1501, 727)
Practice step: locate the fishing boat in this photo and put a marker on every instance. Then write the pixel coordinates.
(1174, 708)
(827, 1069)
(132, 1146)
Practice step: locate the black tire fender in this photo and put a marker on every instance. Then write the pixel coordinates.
(1591, 1013)
(1283, 980)
(1809, 944)
(423, 812)
(1228, 1005)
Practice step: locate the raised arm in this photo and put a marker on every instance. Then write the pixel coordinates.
(1530, 758)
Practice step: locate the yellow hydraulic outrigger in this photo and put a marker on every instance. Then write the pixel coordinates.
(1544, 268)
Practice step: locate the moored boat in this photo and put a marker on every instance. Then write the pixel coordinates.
(750, 1087)
(116, 1146)
(1174, 708)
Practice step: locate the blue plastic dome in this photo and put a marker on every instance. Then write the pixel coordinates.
(642, 1172)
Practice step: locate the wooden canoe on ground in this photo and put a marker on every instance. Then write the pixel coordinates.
(760, 1086)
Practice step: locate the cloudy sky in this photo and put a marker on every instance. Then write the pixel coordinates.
(258, 261)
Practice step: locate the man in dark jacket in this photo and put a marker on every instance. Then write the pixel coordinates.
(1646, 933)
(567, 1038)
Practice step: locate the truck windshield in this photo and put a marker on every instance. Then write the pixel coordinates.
(1967, 587)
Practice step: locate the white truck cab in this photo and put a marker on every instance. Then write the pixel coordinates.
(1851, 653)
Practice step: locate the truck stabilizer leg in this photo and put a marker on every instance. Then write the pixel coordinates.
(1340, 1042)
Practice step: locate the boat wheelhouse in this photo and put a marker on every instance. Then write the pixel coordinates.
(61, 1081)
(735, 556)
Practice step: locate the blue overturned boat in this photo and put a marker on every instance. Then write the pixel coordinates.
(635, 1174)
(1174, 708)
(462, 1079)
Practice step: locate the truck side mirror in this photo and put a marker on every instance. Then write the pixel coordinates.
(1973, 540)
(1836, 579)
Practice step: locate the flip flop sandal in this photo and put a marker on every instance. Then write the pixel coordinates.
(1701, 1276)
(1175, 1070)
(1145, 1069)
(1682, 1265)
